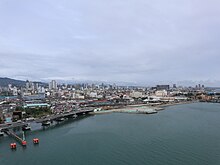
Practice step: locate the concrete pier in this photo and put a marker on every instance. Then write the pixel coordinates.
(16, 137)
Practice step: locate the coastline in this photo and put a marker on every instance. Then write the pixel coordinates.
(141, 108)
(180, 103)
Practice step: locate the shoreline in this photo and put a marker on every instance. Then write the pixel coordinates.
(141, 108)
(180, 103)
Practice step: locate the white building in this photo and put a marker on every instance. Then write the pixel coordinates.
(15, 91)
(53, 85)
(93, 95)
(161, 93)
(136, 94)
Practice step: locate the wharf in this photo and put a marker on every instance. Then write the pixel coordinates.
(5, 127)
(12, 125)
(58, 116)
(13, 135)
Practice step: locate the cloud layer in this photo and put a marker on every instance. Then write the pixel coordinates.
(135, 41)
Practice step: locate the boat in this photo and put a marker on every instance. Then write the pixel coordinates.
(26, 127)
(47, 123)
(74, 116)
(30, 119)
(60, 119)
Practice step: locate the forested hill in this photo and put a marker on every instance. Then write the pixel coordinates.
(4, 81)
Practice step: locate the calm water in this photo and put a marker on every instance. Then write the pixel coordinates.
(180, 135)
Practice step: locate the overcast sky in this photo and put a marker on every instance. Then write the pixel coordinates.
(138, 41)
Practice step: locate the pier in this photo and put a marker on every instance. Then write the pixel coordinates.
(4, 127)
(13, 125)
(64, 115)
(16, 137)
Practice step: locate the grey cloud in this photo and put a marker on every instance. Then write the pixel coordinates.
(129, 40)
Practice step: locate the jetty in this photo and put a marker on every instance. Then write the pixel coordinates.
(64, 115)
(16, 137)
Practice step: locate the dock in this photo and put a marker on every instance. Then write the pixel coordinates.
(49, 118)
(64, 115)
(12, 125)
(7, 128)
(16, 137)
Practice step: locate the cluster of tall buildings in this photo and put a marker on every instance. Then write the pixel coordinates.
(53, 85)
(101, 91)
(32, 88)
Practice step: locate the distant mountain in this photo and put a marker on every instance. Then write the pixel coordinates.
(87, 81)
(4, 81)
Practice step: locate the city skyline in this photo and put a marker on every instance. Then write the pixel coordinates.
(5, 81)
(130, 41)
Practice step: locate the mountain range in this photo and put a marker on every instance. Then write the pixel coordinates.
(4, 81)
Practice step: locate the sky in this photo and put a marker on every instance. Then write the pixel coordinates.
(135, 41)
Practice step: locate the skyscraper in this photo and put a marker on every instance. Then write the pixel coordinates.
(53, 85)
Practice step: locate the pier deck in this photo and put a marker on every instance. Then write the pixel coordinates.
(54, 117)
(49, 118)
(13, 135)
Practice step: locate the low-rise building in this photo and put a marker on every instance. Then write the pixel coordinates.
(136, 94)
(161, 93)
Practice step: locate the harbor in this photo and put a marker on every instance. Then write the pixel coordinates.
(45, 122)
(20, 140)
(54, 119)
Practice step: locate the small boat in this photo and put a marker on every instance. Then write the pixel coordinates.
(30, 119)
(74, 116)
(47, 123)
(60, 119)
(26, 127)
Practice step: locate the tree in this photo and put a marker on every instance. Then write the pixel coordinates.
(19, 108)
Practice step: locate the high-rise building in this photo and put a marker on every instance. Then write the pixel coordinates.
(53, 85)
(29, 87)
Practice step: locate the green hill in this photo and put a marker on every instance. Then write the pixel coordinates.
(4, 81)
